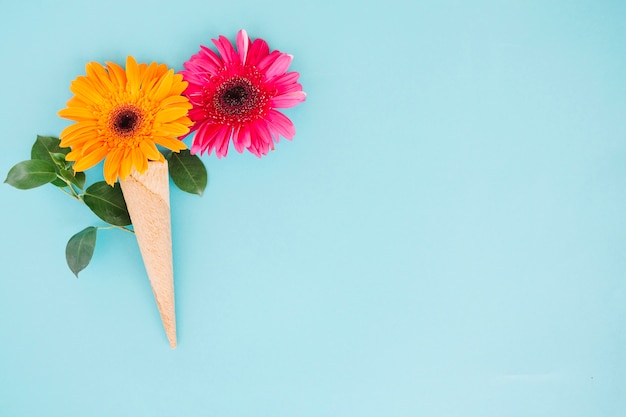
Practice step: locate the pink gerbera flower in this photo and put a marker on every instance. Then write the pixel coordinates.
(235, 96)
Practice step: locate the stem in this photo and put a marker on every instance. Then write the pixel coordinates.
(116, 227)
(78, 196)
(73, 194)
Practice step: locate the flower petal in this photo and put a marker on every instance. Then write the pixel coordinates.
(287, 83)
(87, 161)
(280, 123)
(126, 165)
(257, 51)
(117, 75)
(242, 45)
(80, 127)
(268, 60)
(86, 92)
(78, 114)
(223, 139)
(99, 77)
(150, 150)
(163, 86)
(171, 114)
(170, 143)
(288, 100)
(226, 50)
(278, 67)
(132, 74)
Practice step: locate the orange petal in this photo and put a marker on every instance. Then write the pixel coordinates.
(117, 75)
(76, 102)
(126, 165)
(150, 150)
(112, 165)
(163, 87)
(87, 161)
(178, 85)
(179, 101)
(169, 115)
(132, 73)
(78, 114)
(86, 92)
(80, 126)
(97, 73)
(175, 129)
(140, 162)
(170, 143)
(150, 74)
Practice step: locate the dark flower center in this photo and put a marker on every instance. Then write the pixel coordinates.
(126, 120)
(236, 97)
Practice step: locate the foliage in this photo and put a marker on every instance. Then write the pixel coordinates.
(49, 166)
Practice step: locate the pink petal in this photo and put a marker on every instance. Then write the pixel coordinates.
(252, 148)
(200, 139)
(287, 83)
(200, 64)
(258, 50)
(226, 50)
(264, 131)
(205, 137)
(196, 114)
(245, 136)
(278, 67)
(208, 54)
(191, 77)
(196, 148)
(281, 124)
(268, 60)
(237, 139)
(223, 139)
(260, 135)
(263, 137)
(208, 60)
(242, 45)
(285, 101)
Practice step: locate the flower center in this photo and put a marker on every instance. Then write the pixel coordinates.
(236, 97)
(126, 120)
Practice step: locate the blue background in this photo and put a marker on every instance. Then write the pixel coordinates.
(445, 236)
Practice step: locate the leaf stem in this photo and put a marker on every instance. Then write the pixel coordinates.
(73, 193)
(126, 229)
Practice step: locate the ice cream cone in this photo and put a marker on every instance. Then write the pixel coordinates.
(148, 200)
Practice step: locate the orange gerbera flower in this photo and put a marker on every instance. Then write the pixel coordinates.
(121, 115)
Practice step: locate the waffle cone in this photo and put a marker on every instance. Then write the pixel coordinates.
(148, 201)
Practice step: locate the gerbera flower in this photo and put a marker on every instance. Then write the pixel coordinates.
(122, 115)
(235, 94)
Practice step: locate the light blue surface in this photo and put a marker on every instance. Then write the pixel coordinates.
(445, 236)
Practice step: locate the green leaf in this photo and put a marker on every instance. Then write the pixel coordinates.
(59, 183)
(59, 160)
(77, 179)
(107, 203)
(187, 171)
(45, 146)
(80, 178)
(31, 174)
(79, 249)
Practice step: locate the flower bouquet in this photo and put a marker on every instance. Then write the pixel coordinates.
(135, 120)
